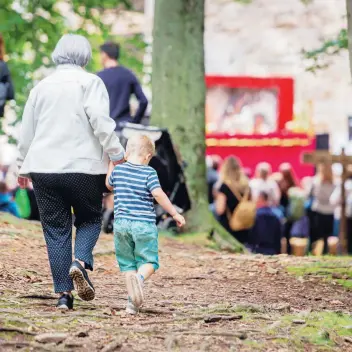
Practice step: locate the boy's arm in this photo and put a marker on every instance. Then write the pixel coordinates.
(108, 180)
(160, 196)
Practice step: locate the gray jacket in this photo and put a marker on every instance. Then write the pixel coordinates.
(66, 127)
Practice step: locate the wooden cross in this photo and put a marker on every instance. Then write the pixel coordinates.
(324, 157)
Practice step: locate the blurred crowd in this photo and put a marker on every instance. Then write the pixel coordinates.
(18, 202)
(281, 213)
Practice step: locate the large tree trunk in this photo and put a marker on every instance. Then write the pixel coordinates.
(179, 90)
(349, 28)
(179, 94)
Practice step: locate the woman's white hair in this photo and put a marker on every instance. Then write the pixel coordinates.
(72, 49)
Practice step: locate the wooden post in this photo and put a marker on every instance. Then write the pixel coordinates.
(324, 157)
(343, 221)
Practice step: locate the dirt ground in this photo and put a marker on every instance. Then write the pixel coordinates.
(200, 300)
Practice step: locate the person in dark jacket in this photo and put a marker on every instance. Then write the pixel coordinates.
(120, 83)
(7, 204)
(6, 86)
(265, 236)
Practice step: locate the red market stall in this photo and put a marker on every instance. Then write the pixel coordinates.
(246, 117)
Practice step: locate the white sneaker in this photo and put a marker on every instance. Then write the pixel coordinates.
(136, 285)
(131, 308)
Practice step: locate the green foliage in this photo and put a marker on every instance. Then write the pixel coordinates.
(319, 58)
(31, 30)
(320, 328)
(338, 270)
(244, 1)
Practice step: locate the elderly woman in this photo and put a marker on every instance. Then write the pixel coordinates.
(66, 141)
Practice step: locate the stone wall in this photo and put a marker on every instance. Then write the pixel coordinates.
(266, 38)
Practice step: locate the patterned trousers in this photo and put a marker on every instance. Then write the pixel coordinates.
(56, 195)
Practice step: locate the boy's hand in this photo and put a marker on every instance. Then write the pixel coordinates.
(180, 220)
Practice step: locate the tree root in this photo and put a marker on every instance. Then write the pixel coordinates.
(44, 297)
(224, 239)
(20, 331)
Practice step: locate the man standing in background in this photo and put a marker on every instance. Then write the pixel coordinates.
(120, 83)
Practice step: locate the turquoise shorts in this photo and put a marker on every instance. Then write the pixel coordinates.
(136, 243)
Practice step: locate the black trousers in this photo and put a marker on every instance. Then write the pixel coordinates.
(56, 195)
(349, 235)
(323, 228)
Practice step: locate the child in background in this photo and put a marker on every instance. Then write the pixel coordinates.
(265, 236)
(7, 204)
(135, 184)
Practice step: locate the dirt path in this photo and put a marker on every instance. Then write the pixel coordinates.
(200, 300)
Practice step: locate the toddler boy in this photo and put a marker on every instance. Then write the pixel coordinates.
(135, 185)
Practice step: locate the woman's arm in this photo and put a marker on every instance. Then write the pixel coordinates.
(276, 193)
(27, 130)
(96, 105)
(220, 203)
(335, 198)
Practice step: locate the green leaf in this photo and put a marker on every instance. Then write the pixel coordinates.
(30, 37)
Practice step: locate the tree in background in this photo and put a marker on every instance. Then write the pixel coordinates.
(349, 30)
(320, 57)
(178, 89)
(31, 30)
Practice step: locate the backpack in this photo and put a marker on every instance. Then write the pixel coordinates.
(3, 93)
(243, 217)
(297, 204)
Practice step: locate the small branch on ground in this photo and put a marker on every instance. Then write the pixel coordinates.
(114, 345)
(38, 297)
(20, 331)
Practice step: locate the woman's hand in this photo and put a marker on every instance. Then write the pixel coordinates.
(119, 162)
(23, 182)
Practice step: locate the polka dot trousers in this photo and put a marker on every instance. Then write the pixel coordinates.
(56, 195)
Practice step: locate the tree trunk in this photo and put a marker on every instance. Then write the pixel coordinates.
(178, 89)
(349, 28)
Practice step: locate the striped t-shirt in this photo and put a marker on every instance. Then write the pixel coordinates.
(133, 186)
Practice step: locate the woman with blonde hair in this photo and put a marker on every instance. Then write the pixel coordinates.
(232, 184)
(323, 211)
(6, 87)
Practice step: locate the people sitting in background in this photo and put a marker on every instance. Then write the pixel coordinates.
(323, 218)
(287, 181)
(265, 236)
(212, 176)
(7, 204)
(335, 201)
(232, 186)
(264, 183)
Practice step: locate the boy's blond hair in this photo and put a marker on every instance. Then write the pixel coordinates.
(140, 145)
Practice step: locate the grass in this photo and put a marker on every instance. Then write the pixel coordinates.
(199, 239)
(320, 328)
(338, 270)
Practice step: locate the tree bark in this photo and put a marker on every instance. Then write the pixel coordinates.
(178, 91)
(349, 29)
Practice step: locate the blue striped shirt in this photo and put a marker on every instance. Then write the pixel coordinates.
(133, 186)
